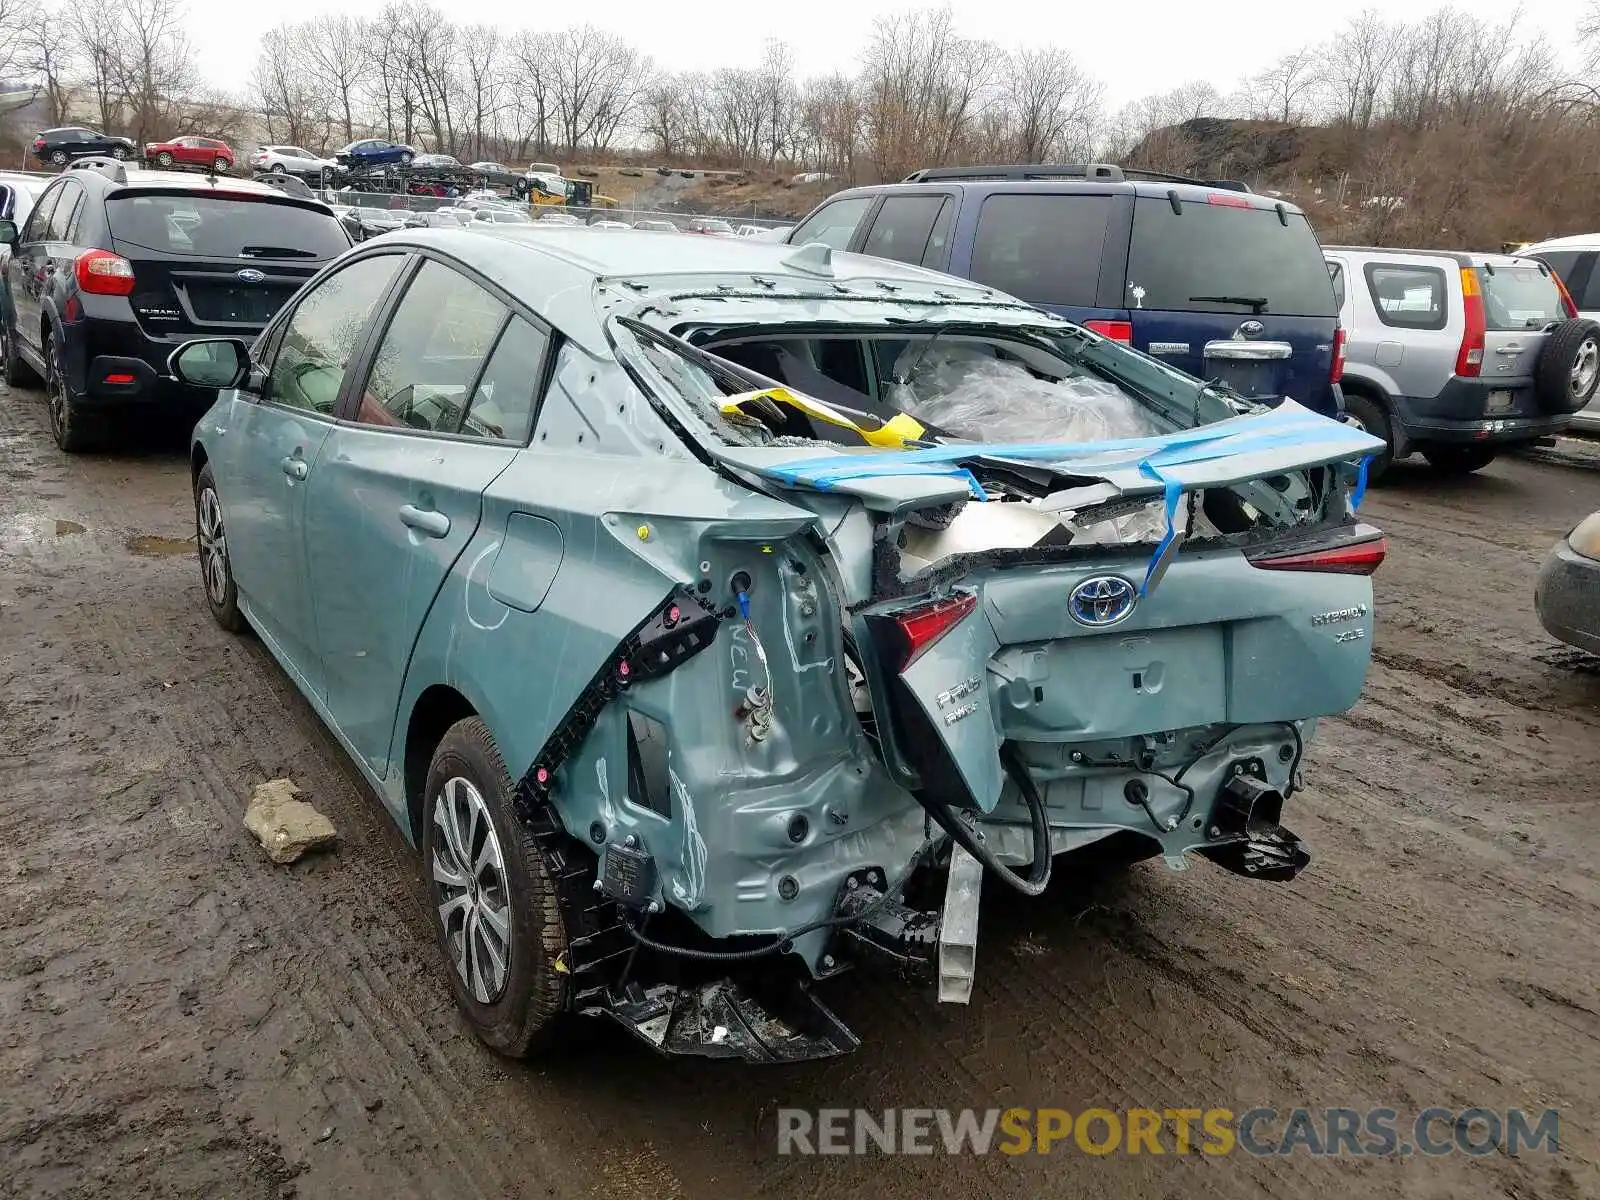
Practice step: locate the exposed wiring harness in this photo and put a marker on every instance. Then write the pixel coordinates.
(1038, 876)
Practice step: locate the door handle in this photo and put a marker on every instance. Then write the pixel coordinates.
(1509, 348)
(295, 468)
(427, 521)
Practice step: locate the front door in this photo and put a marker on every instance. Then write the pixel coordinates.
(397, 492)
(270, 444)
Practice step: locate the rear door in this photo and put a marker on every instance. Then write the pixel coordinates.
(1520, 301)
(209, 265)
(397, 491)
(1232, 288)
(912, 228)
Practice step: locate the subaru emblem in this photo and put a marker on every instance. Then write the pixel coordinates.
(250, 275)
(1102, 600)
(1250, 329)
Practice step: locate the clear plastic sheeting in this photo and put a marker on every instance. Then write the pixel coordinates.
(965, 390)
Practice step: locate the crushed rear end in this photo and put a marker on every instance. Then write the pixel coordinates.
(938, 656)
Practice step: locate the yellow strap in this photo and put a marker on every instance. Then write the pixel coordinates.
(893, 434)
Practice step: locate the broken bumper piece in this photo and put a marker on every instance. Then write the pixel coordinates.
(722, 1020)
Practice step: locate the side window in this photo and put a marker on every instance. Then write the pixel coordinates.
(1336, 277)
(423, 374)
(503, 402)
(832, 224)
(39, 220)
(1577, 271)
(902, 227)
(1408, 297)
(323, 333)
(61, 217)
(1041, 247)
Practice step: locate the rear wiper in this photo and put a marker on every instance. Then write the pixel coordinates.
(275, 252)
(1256, 303)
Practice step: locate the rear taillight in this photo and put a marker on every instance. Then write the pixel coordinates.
(1567, 306)
(38, 143)
(119, 377)
(1336, 372)
(1117, 331)
(1469, 361)
(918, 629)
(1348, 558)
(102, 273)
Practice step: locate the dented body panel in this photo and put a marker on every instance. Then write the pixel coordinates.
(796, 753)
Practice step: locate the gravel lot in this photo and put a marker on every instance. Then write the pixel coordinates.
(180, 1018)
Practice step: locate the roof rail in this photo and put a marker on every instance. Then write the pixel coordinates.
(1101, 172)
(1231, 185)
(1108, 172)
(114, 169)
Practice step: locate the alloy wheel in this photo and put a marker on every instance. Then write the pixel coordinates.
(55, 391)
(471, 889)
(213, 547)
(1585, 369)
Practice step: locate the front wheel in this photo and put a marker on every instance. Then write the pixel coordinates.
(1459, 460)
(491, 897)
(216, 569)
(16, 372)
(1369, 417)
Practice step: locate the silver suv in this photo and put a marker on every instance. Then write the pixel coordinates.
(1456, 355)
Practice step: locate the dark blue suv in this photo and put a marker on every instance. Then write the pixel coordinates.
(1218, 281)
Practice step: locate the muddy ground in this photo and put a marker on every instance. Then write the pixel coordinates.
(180, 1018)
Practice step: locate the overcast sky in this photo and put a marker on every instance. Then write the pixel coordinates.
(1135, 48)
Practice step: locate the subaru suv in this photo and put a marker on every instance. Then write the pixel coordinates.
(1459, 355)
(117, 266)
(1221, 283)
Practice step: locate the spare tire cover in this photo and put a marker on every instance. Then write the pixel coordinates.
(1568, 370)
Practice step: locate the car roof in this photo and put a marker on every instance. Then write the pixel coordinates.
(567, 263)
(1465, 258)
(138, 177)
(1576, 241)
(1195, 192)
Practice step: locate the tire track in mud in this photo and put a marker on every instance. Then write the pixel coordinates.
(1430, 954)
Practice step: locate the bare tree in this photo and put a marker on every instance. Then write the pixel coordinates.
(597, 81)
(338, 49)
(533, 79)
(1283, 88)
(1051, 105)
(44, 51)
(282, 86)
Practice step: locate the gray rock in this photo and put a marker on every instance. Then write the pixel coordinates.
(286, 827)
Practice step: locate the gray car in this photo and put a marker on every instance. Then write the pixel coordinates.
(1568, 593)
(1459, 355)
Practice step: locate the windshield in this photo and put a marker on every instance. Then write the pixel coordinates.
(1520, 297)
(207, 226)
(1222, 258)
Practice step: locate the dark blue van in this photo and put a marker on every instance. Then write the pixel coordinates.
(1221, 282)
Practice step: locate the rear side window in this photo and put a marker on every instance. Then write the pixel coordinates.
(1521, 297)
(61, 217)
(190, 224)
(1043, 247)
(1576, 268)
(833, 224)
(1187, 261)
(903, 226)
(1336, 277)
(1408, 297)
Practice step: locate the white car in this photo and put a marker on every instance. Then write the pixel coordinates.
(289, 160)
(1576, 260)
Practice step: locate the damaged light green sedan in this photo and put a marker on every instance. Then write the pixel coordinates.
(715, 614)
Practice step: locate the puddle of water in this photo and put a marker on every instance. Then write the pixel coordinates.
(67, 528)
(150, 546)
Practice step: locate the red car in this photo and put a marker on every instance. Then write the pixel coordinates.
(191, 151)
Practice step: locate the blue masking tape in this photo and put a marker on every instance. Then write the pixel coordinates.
(1360, 491)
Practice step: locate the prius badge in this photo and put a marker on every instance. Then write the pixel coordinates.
(1102, 600)
(249, 275)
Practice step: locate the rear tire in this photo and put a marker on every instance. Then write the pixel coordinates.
(1459, 460)
(75, 430)
(216, 569)
(501, 934)
(58, 158)
(279, 169)
(119, 153)
(1371, 417)
(222, 166)
(164, 160)
(405, 160)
